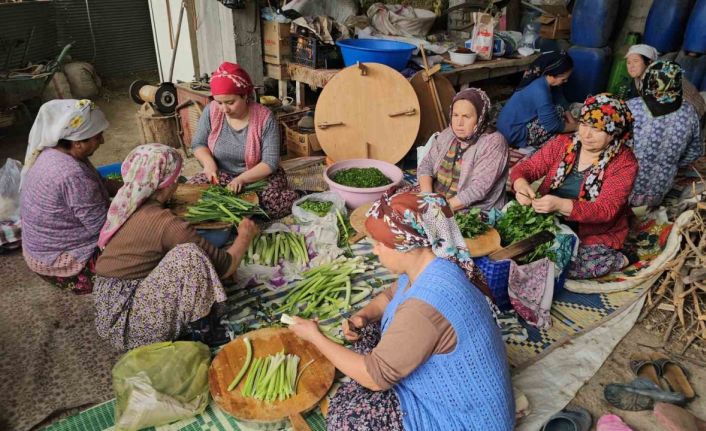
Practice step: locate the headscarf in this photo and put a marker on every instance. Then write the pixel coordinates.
(662, 88)
(549, 63)
(230, 78)
(450, 170)
(609, 115)
(74, 120)
(644, 50)
(146, 169)
(408, 220)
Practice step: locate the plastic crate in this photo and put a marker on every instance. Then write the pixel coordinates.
(311, 52)
(497, 274)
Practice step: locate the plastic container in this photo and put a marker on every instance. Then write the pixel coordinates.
(354, 196)
(217, 237)
(462, 58)
(665, 24)
(389, 52)
(592, 22)
(111, 169)
(702, 88)
(695, 36)
(694, 66)
(590, 74)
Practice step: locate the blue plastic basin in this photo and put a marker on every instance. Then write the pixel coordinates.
(388, 52)
(113, 168)
(217, 237)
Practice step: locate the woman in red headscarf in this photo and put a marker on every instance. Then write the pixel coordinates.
(238, 142)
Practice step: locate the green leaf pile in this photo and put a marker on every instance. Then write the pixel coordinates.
(362, 178)
(520, 222)
(470, 223)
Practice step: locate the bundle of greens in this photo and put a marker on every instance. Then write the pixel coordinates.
(272, 378)
(268, 248)
(344, 232)
(114, 177)
(520, 222)
(219, 204)
(320, 208)
(363, 178)
(470, 223)
(326, 290)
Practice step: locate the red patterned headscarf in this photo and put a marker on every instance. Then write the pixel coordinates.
(230, 78)
(408, 220)
(610, 115)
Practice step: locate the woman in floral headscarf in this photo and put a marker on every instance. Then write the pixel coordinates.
(588, 177)
(467, 163)
(667, 133)
(156, 278)
(64, 201)
(238, 142)
(428, 354)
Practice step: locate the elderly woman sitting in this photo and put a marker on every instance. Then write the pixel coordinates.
(467, 163)
(667, 134)
(237, 142)
(440, 363)
(64, 201)
(587, 180)
(156, 276)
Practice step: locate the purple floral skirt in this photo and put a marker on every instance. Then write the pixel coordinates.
(276, 199)
(356, 408)
(81, 283)
(593, 261)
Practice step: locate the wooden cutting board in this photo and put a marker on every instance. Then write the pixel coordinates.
(187, 195)
(314, 384)
(357, 219)
(485, 244)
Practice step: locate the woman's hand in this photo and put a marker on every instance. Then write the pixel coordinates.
(236, 185)
(455, 204)
(350, 326)
(211, 174)
(305, 329)
(523, 192)
(247, 229)
(551, 204)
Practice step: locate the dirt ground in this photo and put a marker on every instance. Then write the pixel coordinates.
(123, 136)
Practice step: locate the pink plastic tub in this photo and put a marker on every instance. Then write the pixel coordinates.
(354, 196)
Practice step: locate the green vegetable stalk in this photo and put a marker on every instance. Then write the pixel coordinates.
(273, 378)
(470, 223)
(270, 248)
(364, 178)
(244, 368)
(520, 222)
(320, 208)
(219, 204)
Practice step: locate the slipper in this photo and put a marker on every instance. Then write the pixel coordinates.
(611, 423)
(674, 374)
(522, 406)
(642, 365)
(674, 418)
(575, 419)
(640, 394)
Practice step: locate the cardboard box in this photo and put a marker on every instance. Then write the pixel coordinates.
(276, 45)
(555, 23)
(301, 144)
(278, 72)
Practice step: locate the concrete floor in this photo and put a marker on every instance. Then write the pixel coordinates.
(123, 136)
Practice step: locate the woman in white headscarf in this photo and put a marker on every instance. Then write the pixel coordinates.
(64, 201)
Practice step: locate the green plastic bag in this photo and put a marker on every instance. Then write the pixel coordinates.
(160, 383)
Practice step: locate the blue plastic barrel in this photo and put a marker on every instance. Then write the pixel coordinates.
(665, 24)
(592, 22)
(702, 88)
(695, 36)
(389, 52)
(590, 74)
(694, 66)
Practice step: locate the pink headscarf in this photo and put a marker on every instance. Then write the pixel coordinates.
(146, 169)
(230, 78)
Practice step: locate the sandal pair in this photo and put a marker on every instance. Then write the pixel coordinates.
(657, 368)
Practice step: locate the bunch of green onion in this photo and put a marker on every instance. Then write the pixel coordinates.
(326, 290)
(220, 204)
(268, 248)
(272, 378)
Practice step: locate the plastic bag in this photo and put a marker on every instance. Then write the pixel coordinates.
(483, 36)
(324, 229)
(10, 176)
(160, 383)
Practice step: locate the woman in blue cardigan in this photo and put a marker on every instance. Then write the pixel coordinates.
(533, 115)
(428, 354)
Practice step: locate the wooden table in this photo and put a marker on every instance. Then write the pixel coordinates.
(459, 76)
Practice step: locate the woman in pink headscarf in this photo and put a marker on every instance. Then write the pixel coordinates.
(156, 278)
(238, 142)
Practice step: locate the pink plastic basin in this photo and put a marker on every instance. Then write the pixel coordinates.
(355, 196)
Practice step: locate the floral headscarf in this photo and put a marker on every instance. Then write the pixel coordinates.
(408, 220)
(146, 169)
(230, 78)
(74, 120)
(549, 63)
(450, 170)
(607, 114)
(662, 88)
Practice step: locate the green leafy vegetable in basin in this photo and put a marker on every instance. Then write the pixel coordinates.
(362, 178)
